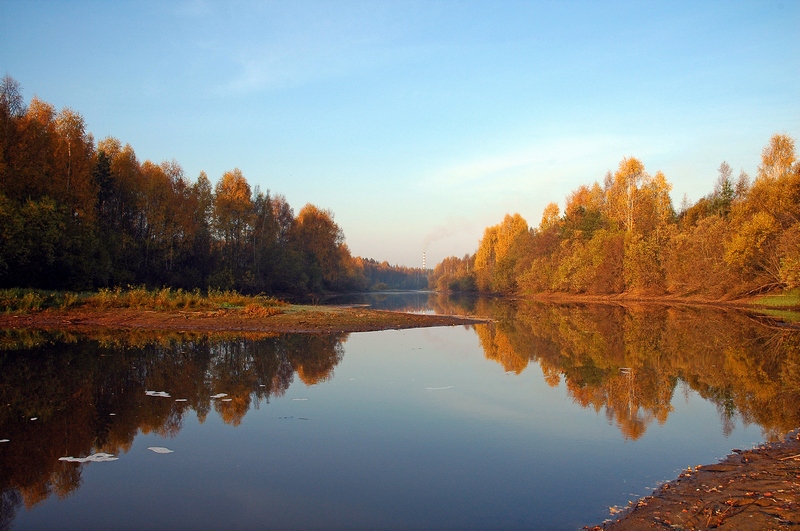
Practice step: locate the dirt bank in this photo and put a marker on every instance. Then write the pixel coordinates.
(628, 298)
(299, 319)
(754, 489)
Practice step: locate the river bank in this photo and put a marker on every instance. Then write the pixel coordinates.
(285, 319)
(753, 303)
(755, 489)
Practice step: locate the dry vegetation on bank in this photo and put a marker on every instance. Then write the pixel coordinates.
(177, 310)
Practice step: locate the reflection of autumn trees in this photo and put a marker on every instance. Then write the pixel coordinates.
(628, 360)
(89, 396)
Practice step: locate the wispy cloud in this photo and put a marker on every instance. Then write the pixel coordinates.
(289, 47)
(194, 9)
(281, 66)
(559, 159)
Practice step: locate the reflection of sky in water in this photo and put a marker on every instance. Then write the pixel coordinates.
(416, 428)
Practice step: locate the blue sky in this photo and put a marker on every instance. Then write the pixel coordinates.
(420, 123)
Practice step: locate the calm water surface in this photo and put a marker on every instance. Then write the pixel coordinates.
(543, 420)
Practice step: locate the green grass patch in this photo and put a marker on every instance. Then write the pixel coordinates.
(787, 316)
(787, 299)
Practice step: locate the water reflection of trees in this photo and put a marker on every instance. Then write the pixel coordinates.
(628, 360)
(88, 395)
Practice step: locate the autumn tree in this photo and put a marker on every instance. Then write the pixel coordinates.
(498, 254)
(454, 274)
(762, 250)
(623, 192)
(322, 244)
(74, 164)
(233, 209)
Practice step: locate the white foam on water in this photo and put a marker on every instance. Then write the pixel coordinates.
(438, 388)
(4, 440)
(160, 450)
(181, 400)
(226, 399)
(157, 393)
(219, 395)
(99, 457)
(299, 399)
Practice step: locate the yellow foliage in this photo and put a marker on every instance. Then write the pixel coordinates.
(550, 217)
(777, 158)
(753, 247)
(497, 249)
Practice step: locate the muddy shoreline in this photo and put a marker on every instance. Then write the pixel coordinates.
(747, 303)
(750, 490)
(292, 319)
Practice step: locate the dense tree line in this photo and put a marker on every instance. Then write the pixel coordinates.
(382, 275)
(75, 214)
(626, 236)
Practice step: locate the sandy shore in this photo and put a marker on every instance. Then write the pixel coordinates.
(293, 318)
(756, 489)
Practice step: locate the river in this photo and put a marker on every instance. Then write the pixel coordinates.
(550, 417)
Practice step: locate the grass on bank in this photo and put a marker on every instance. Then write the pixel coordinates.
(787, 299)
(787, 316)
(19, 300)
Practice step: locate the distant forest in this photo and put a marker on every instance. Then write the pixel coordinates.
(625, 236)
(80, 215)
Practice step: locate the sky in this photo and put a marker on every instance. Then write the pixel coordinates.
(419, 124)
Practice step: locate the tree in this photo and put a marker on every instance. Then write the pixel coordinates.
(322, 243)
(233, 209)
(11, 100)
(622, 195)
(12, 109)
(497, 255)
(724, 192)
(583, 211)
(74, 163)
(550, 217)
(777, 158)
